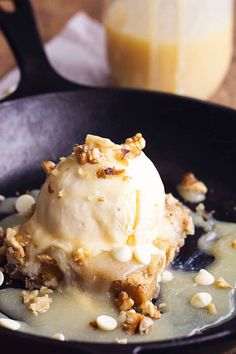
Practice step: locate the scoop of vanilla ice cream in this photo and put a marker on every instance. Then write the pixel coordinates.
(100, 197)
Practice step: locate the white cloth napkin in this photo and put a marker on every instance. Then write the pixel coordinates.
(78, 53)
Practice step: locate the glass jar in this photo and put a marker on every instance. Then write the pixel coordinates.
(179, 46)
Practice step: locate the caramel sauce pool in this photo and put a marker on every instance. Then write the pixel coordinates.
(72, 310)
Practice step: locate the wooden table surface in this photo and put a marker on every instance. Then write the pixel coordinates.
(53, 14)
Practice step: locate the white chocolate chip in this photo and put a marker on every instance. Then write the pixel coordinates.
(167, 276)
(143, 255)
(23, 203)
(1, 278)
(201, 300)
(106, 323)
(204, 278)
(122, 340)
(10, 324)
(2, 198)
(122, 254)
(59, 336)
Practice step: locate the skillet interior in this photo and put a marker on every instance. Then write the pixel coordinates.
(182, 135)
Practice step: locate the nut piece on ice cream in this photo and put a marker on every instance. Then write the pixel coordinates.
(97, 209)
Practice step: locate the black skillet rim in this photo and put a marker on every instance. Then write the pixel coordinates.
(202, 338)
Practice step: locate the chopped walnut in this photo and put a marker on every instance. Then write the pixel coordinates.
(233, 244)
(80, 256)
(29, 296)
(222, 283)
(15, 244)
(132, 322)
(145, 325)
(109, 171)
(123, 302)
(136, 140)
(191, 184)
(86, 154)
(41, 304)
(151, 310)
(48, 166)
(132, 147)
(211, 309)
(45, 290)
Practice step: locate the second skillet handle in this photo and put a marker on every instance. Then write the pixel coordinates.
(37, 75)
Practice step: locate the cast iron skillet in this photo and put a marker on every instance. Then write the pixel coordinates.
(47, 115)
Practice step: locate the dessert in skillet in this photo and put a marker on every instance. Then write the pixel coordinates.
(98, 242)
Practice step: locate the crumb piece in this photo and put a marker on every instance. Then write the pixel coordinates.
(131, 240)
(123, 302)
(37, 304)
(151, 310)
(132, 322)
(50, 189)
(162, 307)
(60, 194)
(45, 258)
(41, 304)
(121, 340)
(80, 256)
(101, 199)
(80, 172)
(222, 283)
(55, 172)
(233, 244)
(93, 324)
(200, 209)
(167, 276)
(145, 325)
(109, 171)
(211, 309)
(48, 166)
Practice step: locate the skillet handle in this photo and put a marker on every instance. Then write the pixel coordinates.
(37, 75)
